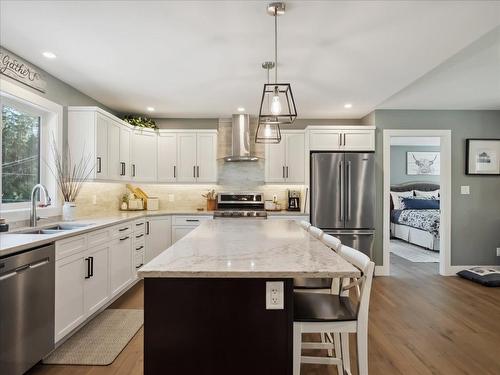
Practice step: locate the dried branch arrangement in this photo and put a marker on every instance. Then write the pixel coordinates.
(70, 176)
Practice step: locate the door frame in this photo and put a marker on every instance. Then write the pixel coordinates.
(445, 268)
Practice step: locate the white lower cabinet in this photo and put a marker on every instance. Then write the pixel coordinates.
(96, 290)
(158, 236)
(179, 232)
(121, 264)
(70, 288)
(182, 225)
(90, 270)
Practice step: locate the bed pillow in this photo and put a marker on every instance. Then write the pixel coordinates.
(395, 195)
(487, 276)
(421, 203)
(432, 193)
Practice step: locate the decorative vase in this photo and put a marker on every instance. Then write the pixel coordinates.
(211, 203)
(69, 211)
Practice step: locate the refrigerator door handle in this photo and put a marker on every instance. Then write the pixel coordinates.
(341, 183)
(348, 189)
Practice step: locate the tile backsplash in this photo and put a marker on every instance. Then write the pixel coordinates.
(100, 198)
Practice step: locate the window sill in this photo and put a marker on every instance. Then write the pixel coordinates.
(19, 214)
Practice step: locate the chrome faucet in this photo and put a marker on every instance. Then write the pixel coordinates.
(33, 216)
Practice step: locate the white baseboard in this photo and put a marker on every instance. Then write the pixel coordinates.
(381, 271)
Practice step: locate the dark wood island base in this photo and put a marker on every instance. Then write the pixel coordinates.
(216, 326)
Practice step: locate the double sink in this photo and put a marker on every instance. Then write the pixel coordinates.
(53, 229)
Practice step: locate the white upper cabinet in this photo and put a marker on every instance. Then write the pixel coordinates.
(101, 147)
(167, 157)
(206, 156)
(349, 138)
(144, 155)
(120, 152)
(114, 166)
(186, 157)
(125, 145)
(285, 160)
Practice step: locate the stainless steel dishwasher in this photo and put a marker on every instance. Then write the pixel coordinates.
(26, 308)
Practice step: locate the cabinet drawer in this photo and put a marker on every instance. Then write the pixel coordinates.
(70, 246)
(139, 225)
(139, 236)
(98, 237)
(121, 230)
(193, 220)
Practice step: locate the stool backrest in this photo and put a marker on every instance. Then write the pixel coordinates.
(316, 232)
(367, 267)
(331, 241)
(304, 224)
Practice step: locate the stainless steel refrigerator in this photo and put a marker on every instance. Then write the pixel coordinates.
(343, 197)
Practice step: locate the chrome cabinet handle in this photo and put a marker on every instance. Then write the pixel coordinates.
(194, 171)
(99, 170)
(124, 238)
(198, 171)
(140, 235)
(340, 139)
(192, 220)
(283, 171)
(122, 164)
(133, 170)
(122, 229)
(175, 172)
(147, 227)
(139, 248)
(287, 172)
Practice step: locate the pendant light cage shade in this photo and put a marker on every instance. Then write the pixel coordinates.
(277, 105)
(268, 133)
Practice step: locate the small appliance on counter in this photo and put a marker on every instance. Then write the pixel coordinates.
(293, 200)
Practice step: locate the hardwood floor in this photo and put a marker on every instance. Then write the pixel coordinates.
(420, 323)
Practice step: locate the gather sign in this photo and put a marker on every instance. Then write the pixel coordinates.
(16, 68)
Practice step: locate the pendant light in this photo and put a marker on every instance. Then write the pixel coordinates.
(282, 109)
(268, 132)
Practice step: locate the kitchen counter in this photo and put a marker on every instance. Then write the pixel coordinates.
(15, 241)
(248, 248)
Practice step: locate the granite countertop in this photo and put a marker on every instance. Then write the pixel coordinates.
(15, 241)
(248, 248)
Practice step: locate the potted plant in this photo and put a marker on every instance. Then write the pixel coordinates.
(140, 121)
(211, 197)
(70, 178)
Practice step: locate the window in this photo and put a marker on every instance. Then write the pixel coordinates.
(28, 124)
(21, 133)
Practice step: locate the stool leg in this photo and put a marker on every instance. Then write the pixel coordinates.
(297, 348)
(338, 351)
(362, 345)
(346, 359)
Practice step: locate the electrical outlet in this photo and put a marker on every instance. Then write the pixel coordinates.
(465, 190)
(498, 251)
(171, 198)
(275, 295)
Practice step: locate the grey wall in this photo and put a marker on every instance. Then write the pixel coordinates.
(398, 165)
(61, 93)
(475, 220)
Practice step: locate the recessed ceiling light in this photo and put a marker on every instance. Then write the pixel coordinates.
(49, 55)
(348, 105)
(241, 109)
(150, 109)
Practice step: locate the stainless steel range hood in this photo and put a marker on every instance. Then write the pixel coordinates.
(240, 145)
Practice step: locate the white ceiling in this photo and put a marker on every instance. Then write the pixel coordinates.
(468, 80)
(202, 58)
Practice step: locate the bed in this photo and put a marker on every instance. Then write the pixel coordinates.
(419, 227)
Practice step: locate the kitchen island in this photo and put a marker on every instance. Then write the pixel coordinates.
(206, 310)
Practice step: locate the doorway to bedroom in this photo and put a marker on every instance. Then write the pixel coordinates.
(416, 211)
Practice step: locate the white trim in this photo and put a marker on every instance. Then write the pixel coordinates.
(340, 127)
(382, 271)
(445, 268)
(52, 123)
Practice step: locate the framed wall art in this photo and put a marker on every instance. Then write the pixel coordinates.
(482, 157)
